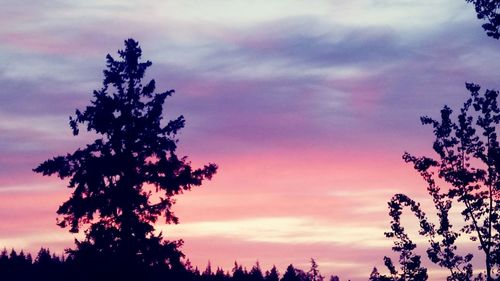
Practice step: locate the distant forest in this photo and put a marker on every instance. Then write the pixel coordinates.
(48, 266)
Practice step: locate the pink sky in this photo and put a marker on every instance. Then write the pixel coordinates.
(306, 108)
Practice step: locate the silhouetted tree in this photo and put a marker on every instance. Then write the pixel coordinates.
(294, 274)
(208, 270)
(334, 278)
(290, 274)
(272, 275)
(220, 275)
(375, 276)
(196, 271)
(314, 274)
(4, 256)
(469, 162)
(29, 259)
(48, 266)
(488, 10)
(239, 273)
(256, 273)
(302, 275)
(411, 268)
(43, 258)
(126, 178)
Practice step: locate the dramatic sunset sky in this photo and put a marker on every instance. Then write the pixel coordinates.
(306, 106)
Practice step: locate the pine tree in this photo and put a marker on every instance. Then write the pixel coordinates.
(256, 273)
(272, 275)
(314, 274)
(127, 178)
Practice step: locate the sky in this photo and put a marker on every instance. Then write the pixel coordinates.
(306, 106)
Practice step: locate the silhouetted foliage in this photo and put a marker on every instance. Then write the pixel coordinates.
(208, 271)
(220, 275)
(469, 163)
(290, 274)
(374, 276)
(410, 263)
(294, 274)
(488, 10)
(21, 266)
(256, 273)
(48, 266)
(125, 180)
(272, 275)
(239, 273)
(313, 273)
(334, 278)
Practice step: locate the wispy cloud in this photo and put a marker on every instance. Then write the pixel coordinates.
(288, 230)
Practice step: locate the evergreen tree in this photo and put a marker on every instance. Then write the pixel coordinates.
(43, 258)
(126, 179)
(334, 278)
(290, 274)
(4, 256)
(302, 275)
(239, 273)
(29, 259)
(208, 274)
(314, 274)
(13, 255)
(220, 275)
(272, 275)
(256, 273)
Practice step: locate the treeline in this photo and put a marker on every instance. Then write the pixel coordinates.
(20, 266)
(45, 265)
